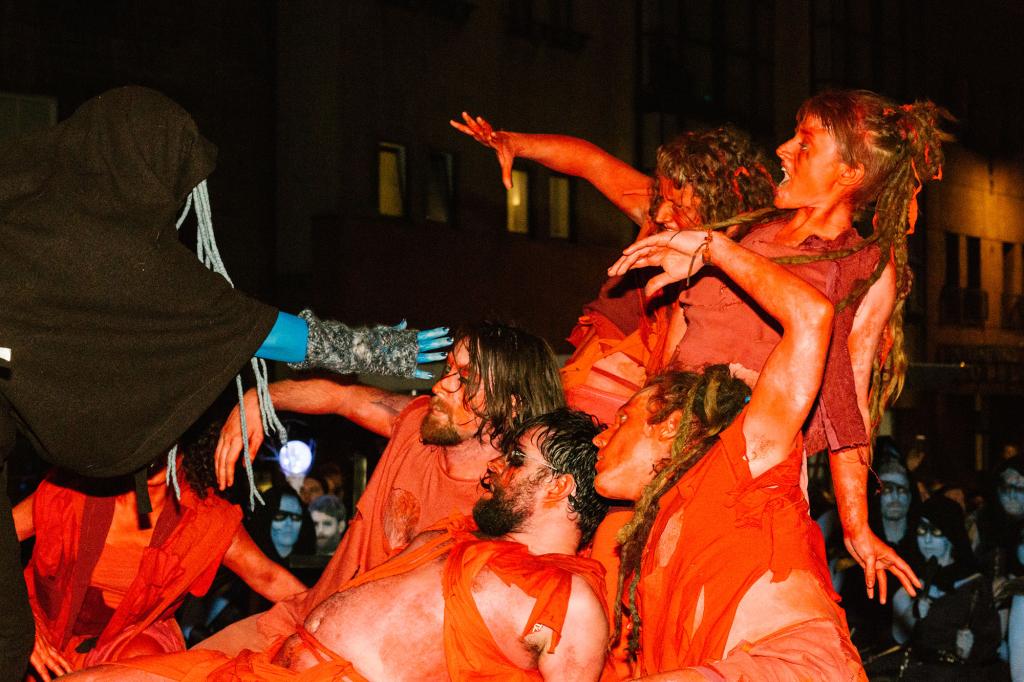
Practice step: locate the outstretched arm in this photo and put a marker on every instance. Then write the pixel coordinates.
(791, 377)
(623, 185)
(372, 408)
(264, 576)
(850, 467)
(307, 342)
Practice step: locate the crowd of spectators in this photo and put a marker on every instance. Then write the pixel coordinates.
(965, 540)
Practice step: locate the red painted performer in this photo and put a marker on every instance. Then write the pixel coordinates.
(723, 572)
(496, 376)
(105, 580)
(851, 149)
(702, 177)
(501, 597)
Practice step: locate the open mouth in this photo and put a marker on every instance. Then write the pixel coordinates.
(785, 177)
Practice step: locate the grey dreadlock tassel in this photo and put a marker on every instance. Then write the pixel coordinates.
(172, 470)
(206, 251)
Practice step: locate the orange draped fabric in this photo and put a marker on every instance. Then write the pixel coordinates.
(200, 665)
(186, 548)
(723, 530)
(605, 550)
(470, 651)
(799, 653)
(409, 492)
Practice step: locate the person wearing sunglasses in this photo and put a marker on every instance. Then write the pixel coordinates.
(951, 628)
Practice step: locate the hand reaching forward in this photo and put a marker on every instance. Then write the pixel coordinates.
(876, 557)
(500, 141)
(679, 253)
(229, 447)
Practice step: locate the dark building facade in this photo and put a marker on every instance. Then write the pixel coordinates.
(341, 185)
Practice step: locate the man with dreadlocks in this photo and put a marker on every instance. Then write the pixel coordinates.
(105, 581)
(723, 572)
(500, 596)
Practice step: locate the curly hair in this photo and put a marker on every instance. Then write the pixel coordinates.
(709, 402)
(518, 372)
(565, 438)
(197, 447)
(900, 149)
(727, 171)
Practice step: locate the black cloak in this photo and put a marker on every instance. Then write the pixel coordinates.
(119, 337)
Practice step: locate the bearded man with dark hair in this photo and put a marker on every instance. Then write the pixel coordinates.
(496, 377)
(502, 598)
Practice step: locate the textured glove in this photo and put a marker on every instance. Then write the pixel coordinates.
(334, 346)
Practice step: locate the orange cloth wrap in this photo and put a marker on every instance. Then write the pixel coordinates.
(727, 530)
(470, 651)
(187, 546)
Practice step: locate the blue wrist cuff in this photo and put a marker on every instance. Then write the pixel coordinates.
(286, 342)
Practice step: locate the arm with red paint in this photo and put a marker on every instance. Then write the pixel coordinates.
(373, 409)
(791, 377)
(623, 185)
(265, 577)
(850, 466)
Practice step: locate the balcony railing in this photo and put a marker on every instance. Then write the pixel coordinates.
(963, 307)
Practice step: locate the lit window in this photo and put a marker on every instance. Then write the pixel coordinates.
(558, 206)
(21, 114)
(518, 203)
(391, 179)
(440, 188)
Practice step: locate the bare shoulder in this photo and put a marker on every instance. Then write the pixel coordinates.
(586, 609)
(581, 649)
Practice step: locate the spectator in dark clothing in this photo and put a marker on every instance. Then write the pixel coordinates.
(951, 629)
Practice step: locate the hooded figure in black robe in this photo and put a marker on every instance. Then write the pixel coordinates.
(118, 337)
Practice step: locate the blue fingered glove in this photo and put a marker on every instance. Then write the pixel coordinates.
(428, 340)
(390, 351)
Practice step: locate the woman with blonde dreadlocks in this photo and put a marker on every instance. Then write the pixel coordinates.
(723, 573)
(851, 150)
(895, 146)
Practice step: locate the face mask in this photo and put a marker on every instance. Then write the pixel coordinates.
(284, 529)
(933, 544)
(1011, 493)
(895, 497)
